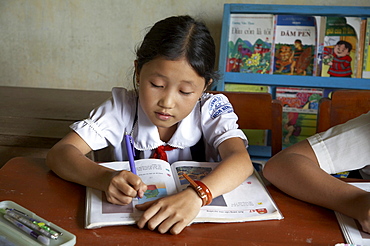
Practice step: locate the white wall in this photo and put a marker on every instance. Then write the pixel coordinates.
(90, 44)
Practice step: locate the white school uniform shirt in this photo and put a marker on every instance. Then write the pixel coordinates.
(213, 118)
(344, 147)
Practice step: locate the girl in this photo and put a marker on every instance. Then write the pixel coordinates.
(168, 116)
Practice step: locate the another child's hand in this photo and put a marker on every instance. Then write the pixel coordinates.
(172, 213)
(124, 186)
(364, 212)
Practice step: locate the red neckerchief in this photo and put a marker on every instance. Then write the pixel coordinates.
(160, 152)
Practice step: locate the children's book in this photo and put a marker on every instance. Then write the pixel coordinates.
(341, 42)
(247, 88)
(320, 33)
(294, 45)
(351, 229)
(300, 107)
(360, 48)
(366, 60)
(250, 201)
(249, 45)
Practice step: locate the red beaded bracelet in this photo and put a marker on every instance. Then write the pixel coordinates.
(201, 189)
(207, 191)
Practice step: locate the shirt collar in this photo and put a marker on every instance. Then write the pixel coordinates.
(188, 133)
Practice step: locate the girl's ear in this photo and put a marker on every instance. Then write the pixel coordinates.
(208, 84)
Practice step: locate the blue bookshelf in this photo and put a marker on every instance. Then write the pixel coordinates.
(286, 80)
(276, 80)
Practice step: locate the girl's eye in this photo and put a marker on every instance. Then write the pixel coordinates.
(185, 93)
(156, 86)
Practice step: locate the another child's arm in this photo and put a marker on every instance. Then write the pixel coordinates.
(67, 159)
(174, 213)
(296, 171)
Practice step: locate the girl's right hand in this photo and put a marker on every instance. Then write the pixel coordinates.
(124, 186)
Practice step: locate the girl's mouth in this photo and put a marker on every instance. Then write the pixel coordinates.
(163, 116)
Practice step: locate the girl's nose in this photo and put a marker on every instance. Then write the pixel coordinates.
(167, 101)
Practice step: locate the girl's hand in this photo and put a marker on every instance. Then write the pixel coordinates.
(172, 213)
(124, 186)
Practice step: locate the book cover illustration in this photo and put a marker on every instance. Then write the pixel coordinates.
(295, 44)
(360, 48)
(299, 112)
(320, 33)
(249, 44)
(366, 62)
(340, 46)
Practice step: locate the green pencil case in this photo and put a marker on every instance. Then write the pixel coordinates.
(11, 235)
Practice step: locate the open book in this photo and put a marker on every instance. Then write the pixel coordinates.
(248, 202)
(351, 229)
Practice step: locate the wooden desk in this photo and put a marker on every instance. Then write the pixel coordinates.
(31, 184)
(37, 117)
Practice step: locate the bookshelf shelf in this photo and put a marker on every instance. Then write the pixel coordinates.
(286, 80)
(295, 80)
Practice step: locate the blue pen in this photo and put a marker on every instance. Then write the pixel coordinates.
(130, 152)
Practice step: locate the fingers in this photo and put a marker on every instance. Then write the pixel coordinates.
(365, 227)
(123, 187)
(150, 214)
(172, 213)
(161, 217)
(144, 206)
(140, 192)
(118, 198)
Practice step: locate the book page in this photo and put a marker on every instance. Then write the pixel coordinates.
(155, 173)
(351, 229)
(250, 201)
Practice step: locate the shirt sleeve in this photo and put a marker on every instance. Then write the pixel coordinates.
(344, 147)
(219, 120)
(107, 123)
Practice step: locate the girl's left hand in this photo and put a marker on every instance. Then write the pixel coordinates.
(172, 213)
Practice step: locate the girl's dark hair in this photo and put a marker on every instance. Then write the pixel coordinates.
(180, 37)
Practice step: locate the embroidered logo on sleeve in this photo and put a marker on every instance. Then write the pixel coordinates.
(219, 105)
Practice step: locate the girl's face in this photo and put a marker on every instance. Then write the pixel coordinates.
(168, 91)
